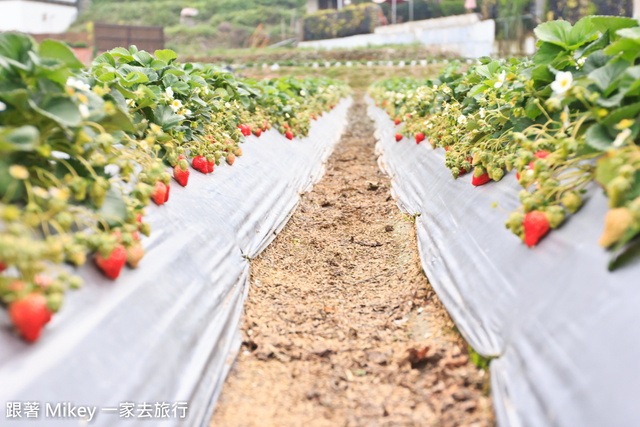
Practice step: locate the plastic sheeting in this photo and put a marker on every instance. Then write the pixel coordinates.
(563, 328)
(168, 331)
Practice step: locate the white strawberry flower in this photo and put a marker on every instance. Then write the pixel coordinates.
(501, 78)
(430, 126)
(621, 138)
(446, 89)
(84, 111)
(582, 60)
(563, 82)
(169, 92)
(3, 106)
(176, 105)
(303, 93)
(18, 172)
(462, 119)
(482, 113)
(131, 103)
(41, 192)
(187, 112)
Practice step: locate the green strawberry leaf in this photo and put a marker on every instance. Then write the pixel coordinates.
(59, 51)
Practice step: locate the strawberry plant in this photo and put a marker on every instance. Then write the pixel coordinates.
(560, 121)
(85, 150)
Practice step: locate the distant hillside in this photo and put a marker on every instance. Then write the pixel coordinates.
(219, 23)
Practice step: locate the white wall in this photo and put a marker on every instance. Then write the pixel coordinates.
(464, 35)
(36, 17)
(312, 6)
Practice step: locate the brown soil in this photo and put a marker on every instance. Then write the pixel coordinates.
(341, 326)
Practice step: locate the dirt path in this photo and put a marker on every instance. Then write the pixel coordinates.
(341, 326)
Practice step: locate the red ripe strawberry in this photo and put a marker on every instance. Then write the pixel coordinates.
(29, 315)
(397, 121)
(398, 137)
(332, 107)
(289, 135)
(181, 175)
(257, 132)
(199, 163)
(139, 218)
(2, 267)
(419, 137)
(159, 193)
(536, 225)
(265, 125)
(112, 265)
(480, 180)
(286, 126)
(210, 165)
(446, 148)
(385, 102)
(231, 158)
(314, 117)
(166, 195)
(408, 116)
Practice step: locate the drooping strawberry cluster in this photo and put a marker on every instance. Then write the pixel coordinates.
(86, 150)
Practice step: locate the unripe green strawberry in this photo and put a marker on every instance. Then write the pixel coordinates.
(627, 171)
(572, 201)
(497, 174)
(616, 223)
(65, 220)
(75, 282)
(54, 302)
(77, 257)
(145, 229)
(98, 191)
(104, 140)
(514, 223)
(616, 190)
(555, 216)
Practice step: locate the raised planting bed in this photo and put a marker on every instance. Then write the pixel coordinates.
(164, 331)
(536, 144)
